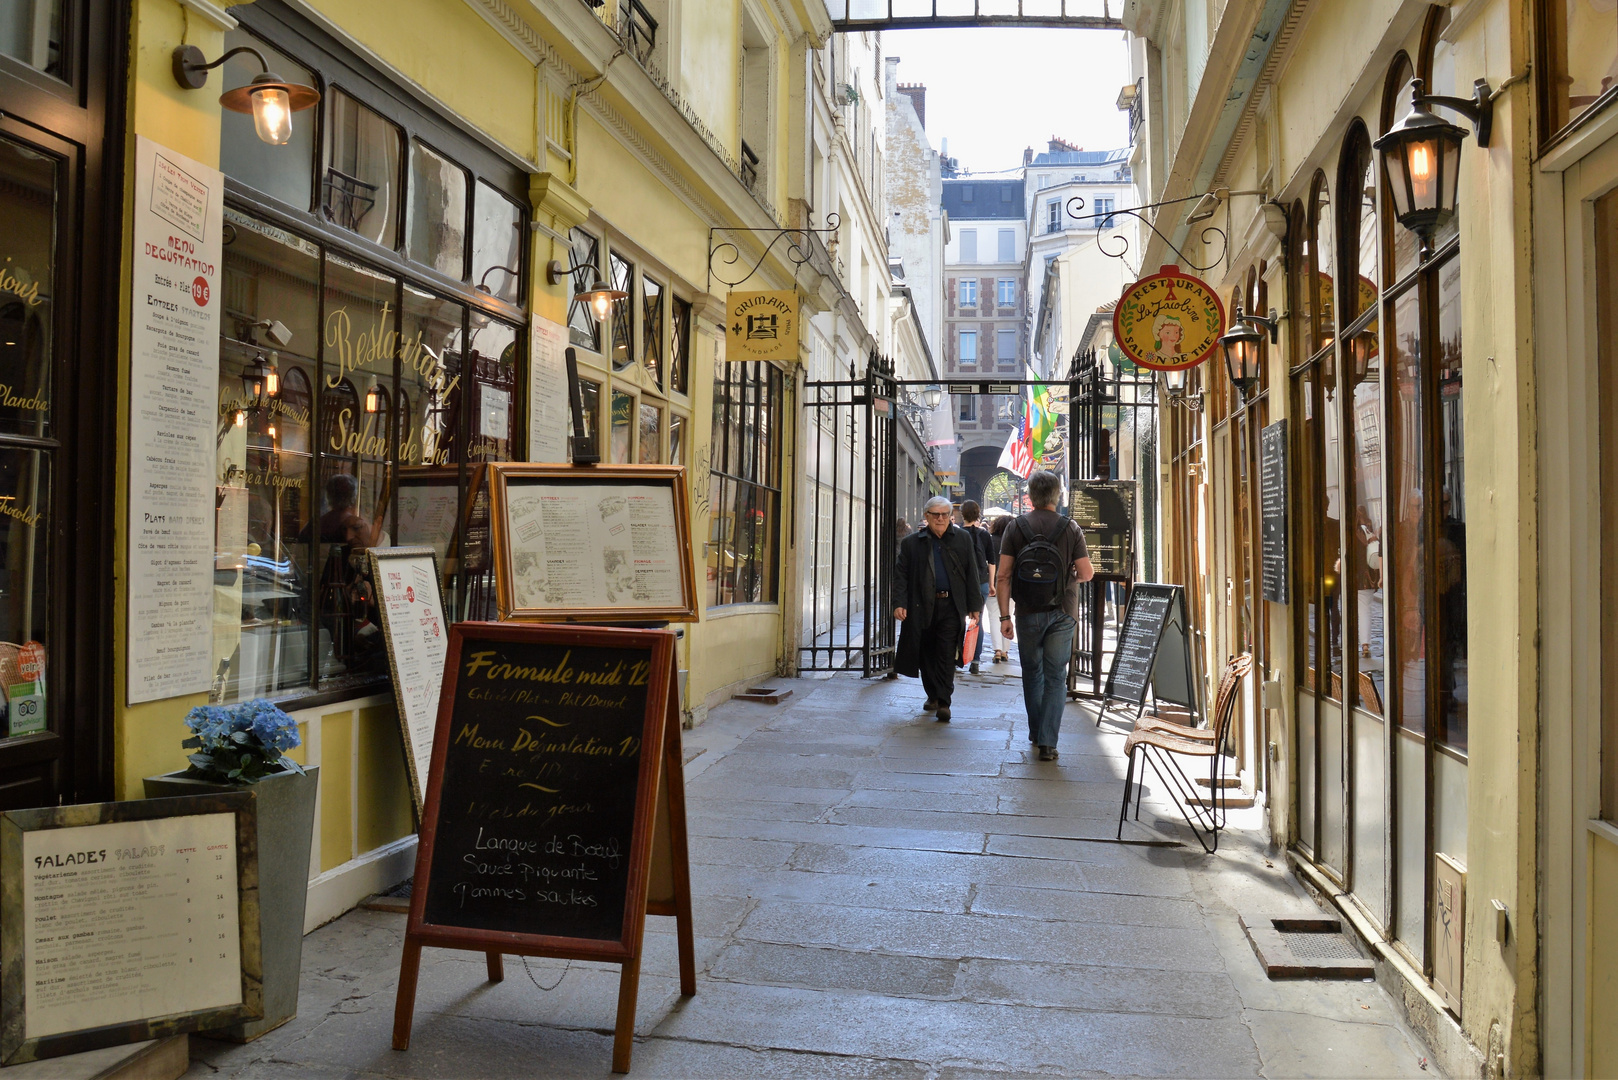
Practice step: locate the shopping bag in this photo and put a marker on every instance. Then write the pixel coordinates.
(969, 640)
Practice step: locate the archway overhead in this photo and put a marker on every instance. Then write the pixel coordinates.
(854, 15)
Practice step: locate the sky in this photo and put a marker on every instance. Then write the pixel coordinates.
(991, 92)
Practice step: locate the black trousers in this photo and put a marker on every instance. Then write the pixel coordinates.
(940, 644)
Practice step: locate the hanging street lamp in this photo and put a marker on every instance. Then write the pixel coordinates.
(1242, 345)
(1422, 154)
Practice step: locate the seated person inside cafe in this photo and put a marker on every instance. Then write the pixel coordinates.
(939, 572)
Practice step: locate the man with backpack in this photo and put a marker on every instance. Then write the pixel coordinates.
(1042, 559)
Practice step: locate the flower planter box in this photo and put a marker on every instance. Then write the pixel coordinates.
(286, 820)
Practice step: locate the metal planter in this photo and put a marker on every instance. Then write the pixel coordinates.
(286, 820)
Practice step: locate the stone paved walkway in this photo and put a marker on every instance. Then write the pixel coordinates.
(879, 895)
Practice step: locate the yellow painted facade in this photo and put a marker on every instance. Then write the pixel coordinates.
(647, 171)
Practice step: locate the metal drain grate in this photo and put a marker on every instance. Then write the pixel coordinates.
(1317, 946)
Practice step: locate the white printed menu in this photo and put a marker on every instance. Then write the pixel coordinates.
(417, 644)
(593, 546)
(129, 921)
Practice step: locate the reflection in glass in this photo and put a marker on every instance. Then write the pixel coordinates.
(1582, 39)
(494, 387)
(285, 172)
(744, 485)
(582, 328)
(623, 312)
(360, 190)
(1367, 530)
(623, 421)
(262, 573)
(1308, 546)
(1323, 230)
(1331, 426)
(676, 440)
(1449, 555)
(651, 434)
(25, 501)
(496, 244)
(437, 211)
(651, 329)
(27, 292)
(1409, 631)
(680, 347)
(34, 32)
(590, 406)
(430, 372)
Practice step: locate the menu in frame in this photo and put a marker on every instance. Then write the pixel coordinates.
(124, 921)
(549, 419)
(174, 379)
(609, 541)
(417, 636)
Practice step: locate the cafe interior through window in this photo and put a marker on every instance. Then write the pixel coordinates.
(356, 401)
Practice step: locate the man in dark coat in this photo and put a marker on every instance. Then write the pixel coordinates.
(936, 591)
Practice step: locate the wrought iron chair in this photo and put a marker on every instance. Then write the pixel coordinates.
(1161, 742)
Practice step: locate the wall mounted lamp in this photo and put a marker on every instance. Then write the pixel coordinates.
(1210, 203)
(259, 378)
(600, 296)
(1422, 153)
(269, 98)
(1242, 345)
(373, 399)
(1174, 387)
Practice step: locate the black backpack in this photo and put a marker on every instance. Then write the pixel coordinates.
(1039, 575)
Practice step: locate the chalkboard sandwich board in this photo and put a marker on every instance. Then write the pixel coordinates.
(1155, 630)
(555, 772)
(122, 922)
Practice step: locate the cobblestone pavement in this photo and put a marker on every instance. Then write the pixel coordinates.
(878, 895)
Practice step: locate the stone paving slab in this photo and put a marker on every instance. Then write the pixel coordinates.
(879, 896)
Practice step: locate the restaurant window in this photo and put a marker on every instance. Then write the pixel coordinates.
(623, 311)
(36, 33)
(582, 328)
(1579, 60)
(353, 398)
(438, 198)
(744, 484)
(651, 329)
(360, 185)
(680, 347)
(677, 428)
(621, 431)
(650, 438)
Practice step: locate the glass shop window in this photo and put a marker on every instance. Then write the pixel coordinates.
(1449, 555)
(651, 434)
(744, 484)
(1581, 58)
(623, 312)
(623, 427)
(493, 354)
(651, 328)
(582, 328)
(283, 172)
(438, 193)
(36, 33)
(360, 187)
(677, 428)
(496, 244)
(680, 347)
(590, 405)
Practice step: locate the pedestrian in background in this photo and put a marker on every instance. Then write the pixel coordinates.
(937, 589)
(988, 563)
(1042, 559)
(997, 529)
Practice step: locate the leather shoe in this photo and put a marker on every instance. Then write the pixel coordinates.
(943, 715)
(974, 668)
(929, 706)
(1047, 753)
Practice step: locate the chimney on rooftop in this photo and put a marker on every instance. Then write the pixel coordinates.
(1028, 156)
(917, 93)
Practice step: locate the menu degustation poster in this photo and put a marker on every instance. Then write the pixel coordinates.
(174, 391)
(418, 641)
(128, 920)
(581, 545)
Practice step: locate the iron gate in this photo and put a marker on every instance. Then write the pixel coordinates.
(1112, 435)
(847, 523)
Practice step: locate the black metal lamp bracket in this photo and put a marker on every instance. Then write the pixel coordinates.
(1271, 322)
(191, 67)
(1479, 108)
(1209, 233)
(726, 256)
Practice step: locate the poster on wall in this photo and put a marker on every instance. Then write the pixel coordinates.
(549, 422)
(174, 390)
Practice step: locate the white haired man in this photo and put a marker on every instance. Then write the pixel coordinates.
(937, 588)
(1042, 558)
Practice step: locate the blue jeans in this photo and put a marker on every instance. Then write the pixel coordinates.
(977, 650)
(1045, 644)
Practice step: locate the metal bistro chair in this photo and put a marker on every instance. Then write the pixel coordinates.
(1160, 742)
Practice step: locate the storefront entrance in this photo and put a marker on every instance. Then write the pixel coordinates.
(61, 87)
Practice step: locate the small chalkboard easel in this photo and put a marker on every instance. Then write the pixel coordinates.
(1155, 629)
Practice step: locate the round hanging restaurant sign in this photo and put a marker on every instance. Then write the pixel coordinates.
(1168, 321)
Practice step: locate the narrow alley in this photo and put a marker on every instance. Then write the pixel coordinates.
(881, 895)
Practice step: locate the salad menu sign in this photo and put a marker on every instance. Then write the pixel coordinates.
(546, 797)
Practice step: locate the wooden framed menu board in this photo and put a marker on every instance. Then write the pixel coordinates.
(555, 815)
(415, 630)
(121, 922)
(604, 543)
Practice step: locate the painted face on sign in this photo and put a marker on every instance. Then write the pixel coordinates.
(1169, 334)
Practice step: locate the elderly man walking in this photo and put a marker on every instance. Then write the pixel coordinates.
(936, 591)
(1042, 559)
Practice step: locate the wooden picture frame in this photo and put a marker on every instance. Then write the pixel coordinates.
(586, 578)
(416, 725)
(17, 1043)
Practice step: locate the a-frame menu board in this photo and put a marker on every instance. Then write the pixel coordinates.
(549, 789)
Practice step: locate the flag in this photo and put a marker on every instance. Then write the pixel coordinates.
(1015, 456)
(1041, 421)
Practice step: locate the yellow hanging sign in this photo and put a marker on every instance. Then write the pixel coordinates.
(762, 326)
(1168, 321)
